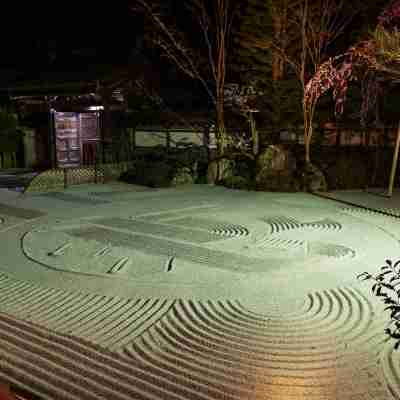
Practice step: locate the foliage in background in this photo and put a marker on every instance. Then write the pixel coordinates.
(8, 121)
(386, 285)
(281, 104)
(302, 32)
(245, 101)
(10, 136)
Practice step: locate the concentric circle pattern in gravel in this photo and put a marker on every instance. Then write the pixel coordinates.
(196, 293)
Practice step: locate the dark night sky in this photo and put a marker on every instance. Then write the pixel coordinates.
(78, 41)
(41, 37)
(101, 31)
(71, 39)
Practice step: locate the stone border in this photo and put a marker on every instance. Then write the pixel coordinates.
(61, 178)
(329, 196)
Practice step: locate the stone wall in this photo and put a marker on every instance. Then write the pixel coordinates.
(352, 167)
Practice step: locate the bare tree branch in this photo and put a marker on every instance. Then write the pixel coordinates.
(174, 49)
(215, 26)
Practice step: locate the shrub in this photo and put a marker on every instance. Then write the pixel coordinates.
(157, 174)
(201, 175)
(236, 182)
(129, 176)
(386, 285)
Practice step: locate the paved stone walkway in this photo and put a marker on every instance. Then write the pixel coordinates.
(121, 292)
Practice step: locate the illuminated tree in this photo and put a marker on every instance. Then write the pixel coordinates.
(371, 62)
(303, 32)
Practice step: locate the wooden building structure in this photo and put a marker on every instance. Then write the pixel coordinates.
(68, 130)
(71, 117)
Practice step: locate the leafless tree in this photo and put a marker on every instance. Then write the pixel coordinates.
(214, 19)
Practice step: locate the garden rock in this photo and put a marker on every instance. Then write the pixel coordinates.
(275, 158)
(237, 182)
(277, 181)
(153, 174)
(276, 170)
(313, 179)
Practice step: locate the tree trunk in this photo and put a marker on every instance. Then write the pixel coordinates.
(220, 130)
(206, 141)
(277, 64)
(308, 115)
(376, 165)
(254, 135)
(220, 135)
(307, 141)
(279, 21)
(394, 163)
(308, 131)
(106, 133)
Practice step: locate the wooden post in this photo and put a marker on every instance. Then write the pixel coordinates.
(206, 141)
(394, 163)
(95, 171)
(168, 140)
(65, 178)
(254, 133)
(134, 139)
(52, 139)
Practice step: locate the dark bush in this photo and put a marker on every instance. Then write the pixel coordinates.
(128, 176)
(277, 182)
(159, 167)
(244, 168)
(347, 173)
(237, 182)
(201, 175)
(158, 174)
(351, 167)
(152, 174)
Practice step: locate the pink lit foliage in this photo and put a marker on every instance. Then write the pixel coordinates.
(390, 17)
(337, 72)
(360, 62)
